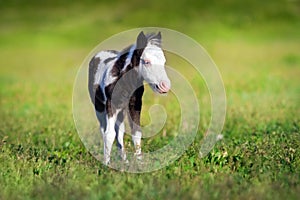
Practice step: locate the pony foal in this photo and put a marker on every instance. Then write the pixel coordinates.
(116, 88)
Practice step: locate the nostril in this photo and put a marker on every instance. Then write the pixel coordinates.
(164, 86)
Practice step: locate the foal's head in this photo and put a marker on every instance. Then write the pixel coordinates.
(152, 62)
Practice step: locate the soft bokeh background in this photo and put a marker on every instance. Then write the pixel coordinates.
(256, 46)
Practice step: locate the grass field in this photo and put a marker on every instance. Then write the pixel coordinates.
(256, 47)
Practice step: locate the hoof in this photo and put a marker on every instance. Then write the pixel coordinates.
(138, 156)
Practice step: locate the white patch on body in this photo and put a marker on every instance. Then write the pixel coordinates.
(103, 75)
(128, 59)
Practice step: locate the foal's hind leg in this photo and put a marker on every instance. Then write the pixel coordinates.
(109, 137)
(102, 118)
(120, 129)
(107, 129)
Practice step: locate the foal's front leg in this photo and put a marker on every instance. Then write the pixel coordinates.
(120, 129)
(136, 133)
(134, 115)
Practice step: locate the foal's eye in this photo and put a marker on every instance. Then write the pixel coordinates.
(146, 62)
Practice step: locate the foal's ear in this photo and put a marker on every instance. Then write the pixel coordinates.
(141, 41)
(158, 36)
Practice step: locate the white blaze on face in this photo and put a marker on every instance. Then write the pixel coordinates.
(152, 68)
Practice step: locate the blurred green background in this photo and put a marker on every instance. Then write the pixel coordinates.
(256, 46)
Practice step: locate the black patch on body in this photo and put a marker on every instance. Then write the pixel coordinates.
(108, 60)
(99, 100)
(134, 109)
(112, 51)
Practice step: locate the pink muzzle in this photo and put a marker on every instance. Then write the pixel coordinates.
(163, 87)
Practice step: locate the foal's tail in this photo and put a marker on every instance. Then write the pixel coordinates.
(91, 77)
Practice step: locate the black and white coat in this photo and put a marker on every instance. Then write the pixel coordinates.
(116, 88)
